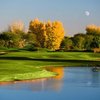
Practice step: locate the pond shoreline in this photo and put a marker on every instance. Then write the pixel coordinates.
(25, 65)
(23, 81)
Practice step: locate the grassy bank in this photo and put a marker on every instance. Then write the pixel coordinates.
(22, 65)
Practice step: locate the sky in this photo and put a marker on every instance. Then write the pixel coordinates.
(74, 14)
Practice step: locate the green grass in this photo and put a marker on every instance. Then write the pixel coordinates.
(21, 65)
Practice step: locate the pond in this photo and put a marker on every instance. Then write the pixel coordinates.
(72, 83)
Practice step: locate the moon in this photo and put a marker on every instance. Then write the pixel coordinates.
(87, 13)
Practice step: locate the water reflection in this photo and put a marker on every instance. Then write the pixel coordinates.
(53, 83)
(57, 81)
(67, 77)
(81, 77)
(59, 70)
(95, 79)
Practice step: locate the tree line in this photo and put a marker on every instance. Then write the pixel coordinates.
(83, 41)
(49, 35)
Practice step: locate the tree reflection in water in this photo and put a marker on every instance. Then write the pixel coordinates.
(95, 79)
(53, 83)
(56, 82)
(58, 70)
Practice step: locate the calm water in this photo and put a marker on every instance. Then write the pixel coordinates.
(73, 83)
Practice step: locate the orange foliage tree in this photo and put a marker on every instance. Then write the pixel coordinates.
(55, 34)
(38, 28)
(93, 30)
(16, 27)
(49, 35)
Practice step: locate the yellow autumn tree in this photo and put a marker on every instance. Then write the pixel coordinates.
(55, 34)
(93, 29)
(16, 27)
(38, 28)
(49, 35)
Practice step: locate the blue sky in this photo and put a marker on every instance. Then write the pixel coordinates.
(70, 12)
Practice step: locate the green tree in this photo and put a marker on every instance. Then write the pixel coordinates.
(78, 41)
(10, 39)
(96, 42)
(93, 34)
(67, 44)
(88, 42)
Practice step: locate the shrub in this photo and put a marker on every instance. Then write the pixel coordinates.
(96, 50)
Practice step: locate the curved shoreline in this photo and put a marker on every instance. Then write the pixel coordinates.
(25, 65)
(23, 81)
(27, 76)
